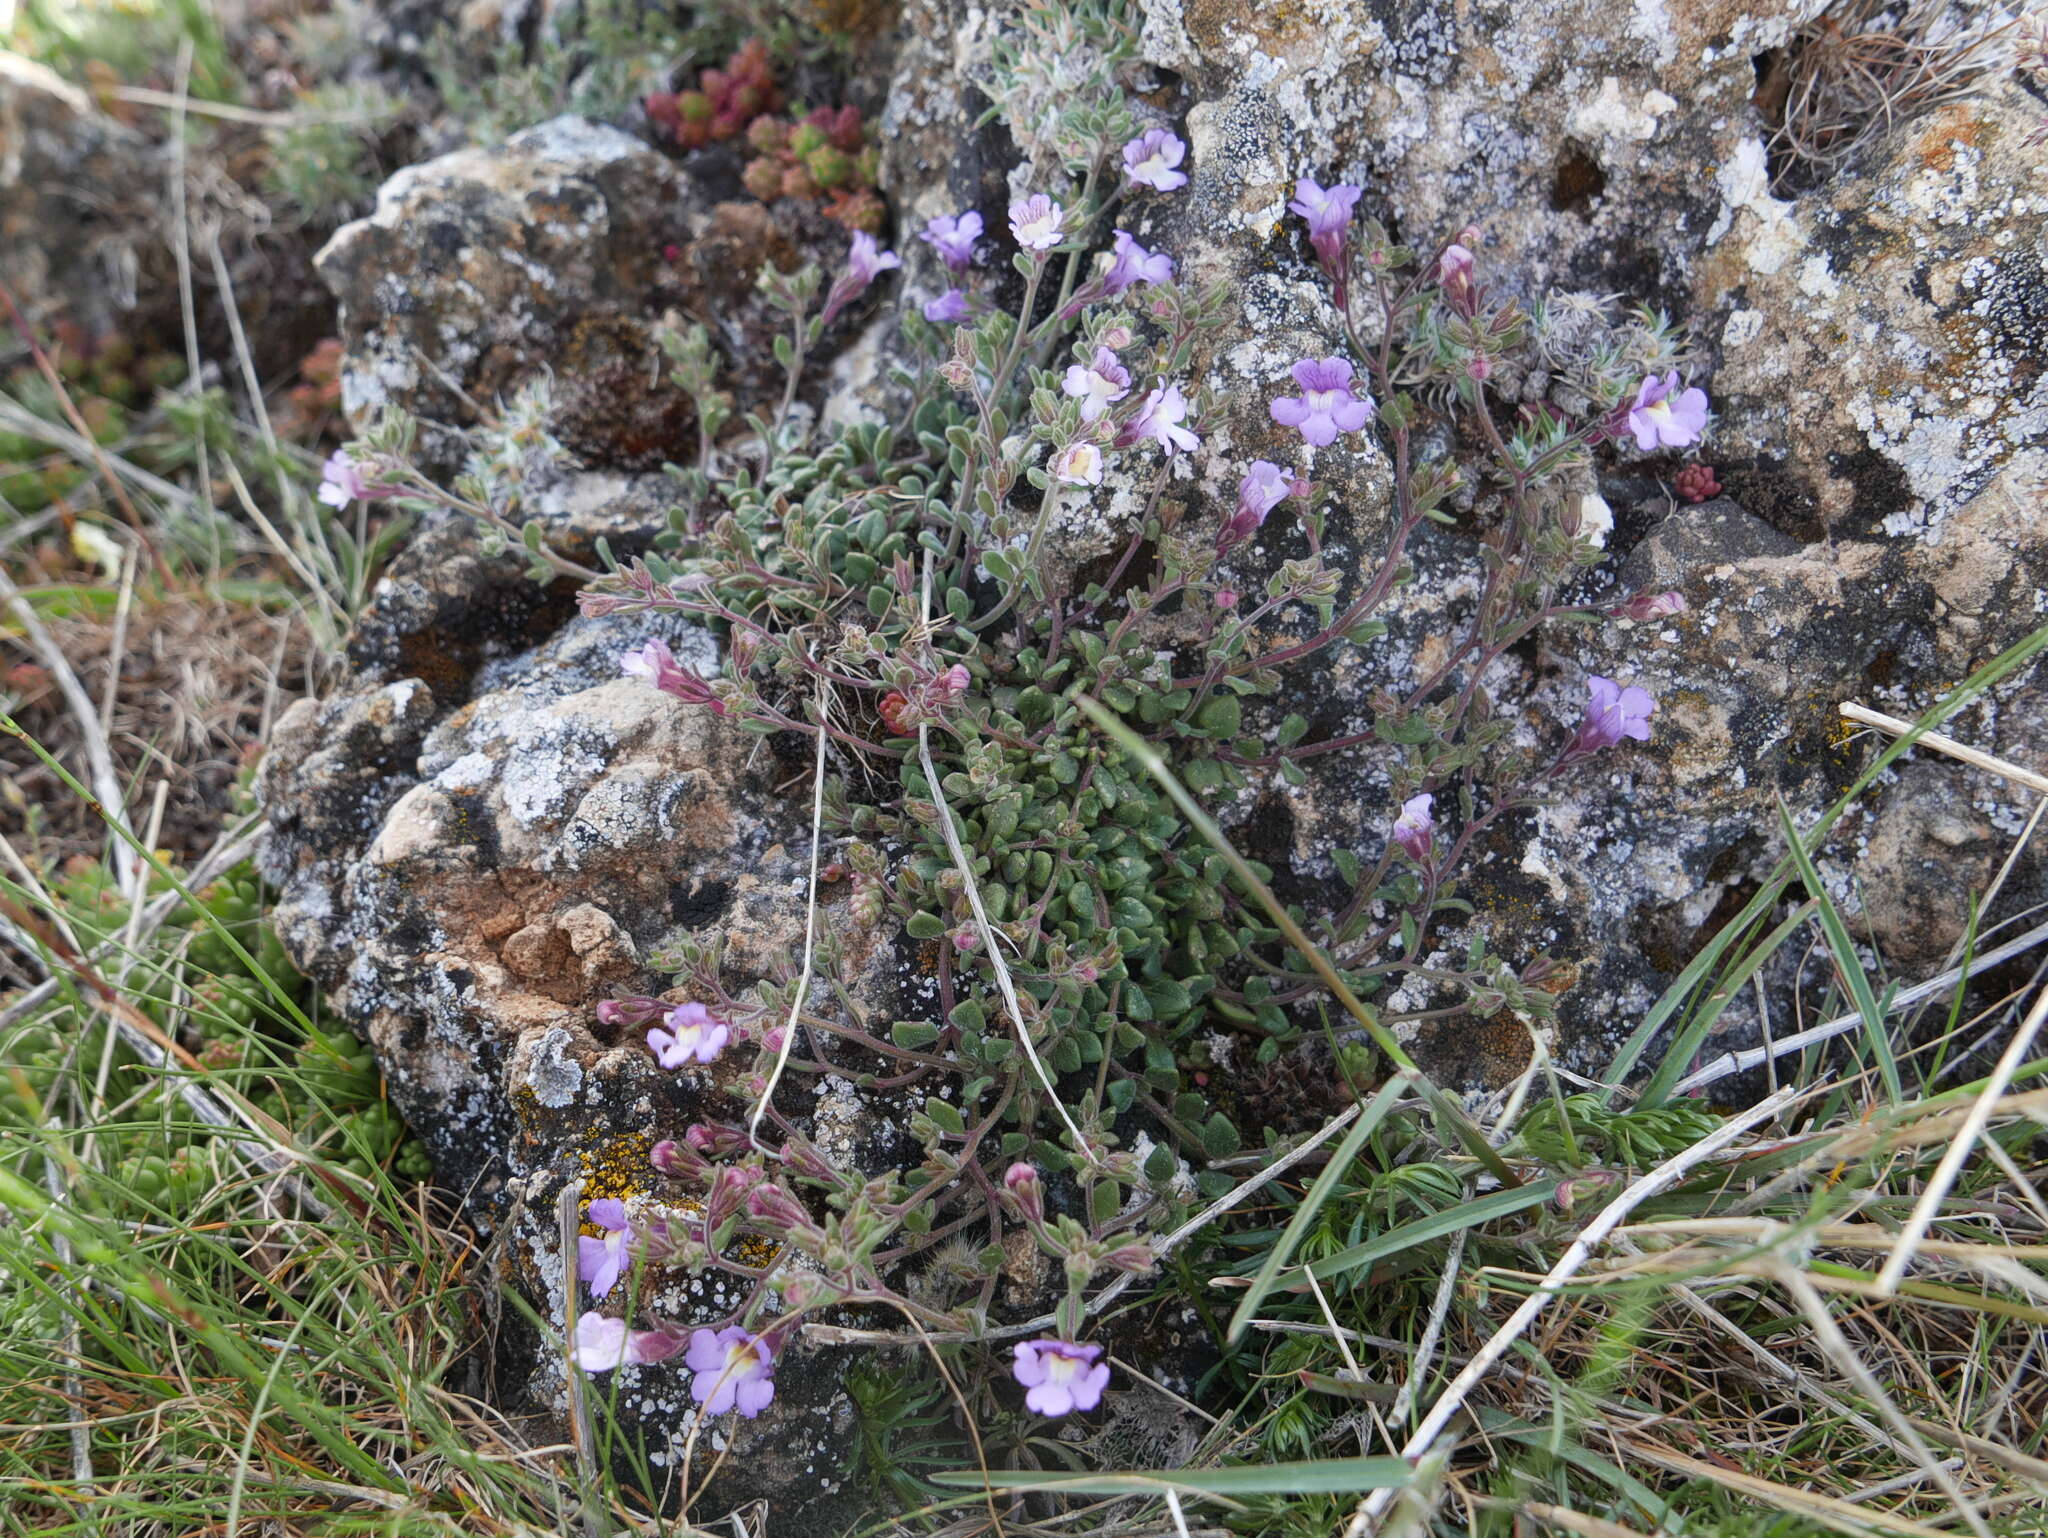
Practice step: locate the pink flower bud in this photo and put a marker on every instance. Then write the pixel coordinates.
(1026, 1191)
(1648, 606)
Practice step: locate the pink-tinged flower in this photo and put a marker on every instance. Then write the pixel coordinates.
(1415, 828)
(1153, 159)
(601, 1343)
(1160, 416)
(1130, 263)
(1035, 221)
(731, 1367)
(948, 308)
(1060, 1376)
(1078, 464)
(678, 1160)
(600, 1261)
(1663, 416)
(1454, 272)
(694, 1034)
(1612, 713)
(1225, 598)
(342, 483)
(637, 1010)
(1264, 487)
(865, 261)
(655, 663)
(1326, 405)
(953, 237)
(1026, 1190)
(948, 686)
(1328, 212)
(1096, 384)
(1648, 606)
(776, 1208)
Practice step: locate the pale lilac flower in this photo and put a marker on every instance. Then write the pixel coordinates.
(949, 307)
(1152, 160)
(1264, 487)
(1035, 221)
(1326, 405)
(1648, 606)
(1160, 416)
(1665, 417)
(953, 237)
(1131, 263)
(1096, 384)
(655, 663)
(1454, 272)
(865, 261)
(342, 483)
(1328, 212)
(732, 1367)
(601, 1343)
(694, 1034)
(601, 1261)
(1078, 464)
(1415, 828)
(1612, 713)
(1060, 1376)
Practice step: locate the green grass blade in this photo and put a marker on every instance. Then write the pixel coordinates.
(1374, 1113)
(1697, 1025)
(1466, 1215)
(1847, 962)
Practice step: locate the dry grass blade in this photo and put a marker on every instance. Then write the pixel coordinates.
(803, 982)
(1825, 1509)
(1976, 758)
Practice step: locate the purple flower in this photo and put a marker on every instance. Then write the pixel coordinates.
(1264, 487)
(1035, 221)
(1151, 159)
(865, 262)
(1658, 419)
(1095, 385)
(342, 483)
(1612, 713)
(694, 1034)
(953, 237)
(658, 666)
(1160, 416)
(1078, 464)
(1328, 212)
(1415, 828)
(732, 1367)
(949, 307)
(1326, 405)
(1131, 263)
(1060, 1376)
(600, 1261)
(1648, 606)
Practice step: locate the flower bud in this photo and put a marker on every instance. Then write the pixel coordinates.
(1026, 1191)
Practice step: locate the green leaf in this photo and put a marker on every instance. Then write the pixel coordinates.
(945, 1113)
(925, 926)
(1470, 1215)
(913, 1034)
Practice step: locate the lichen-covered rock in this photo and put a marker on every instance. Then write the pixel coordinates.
(80, 200)
(556, 254)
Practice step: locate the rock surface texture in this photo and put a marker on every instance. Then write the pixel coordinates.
(485, 830)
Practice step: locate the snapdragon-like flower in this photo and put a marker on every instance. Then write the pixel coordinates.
(655, 663)
(1664, 416)
(1612, 713)
(602, 1344)
(1454, 272)
(1036, 222)
(1130, 263)
(953, 236)
(1264, 487)
(732, 1367)
(1078, 464)
(1328, 212)
(1096, 384)
(1060, 1376)
(1648, 606)
(342, 483)
(1160, 416)
(948, 308)
(1153, 160)
(865, 261)
(601, 1261)
(1415, 828)
(694, 1034)
(1327, 404)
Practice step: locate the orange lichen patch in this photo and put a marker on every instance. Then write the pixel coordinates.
(1947, 130)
